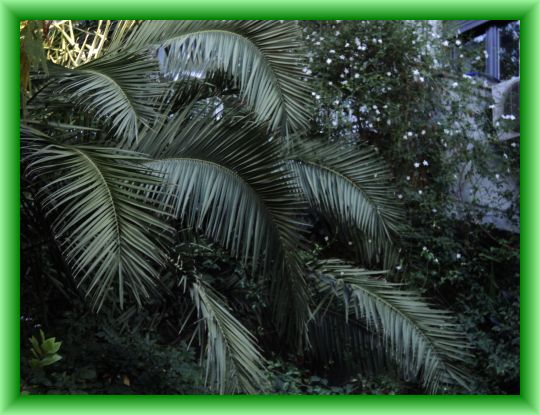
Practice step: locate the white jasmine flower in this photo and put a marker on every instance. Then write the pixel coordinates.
(332, 51)
(423, 132)
(328, 61)
(416, 72)
(388, 74)
(408, 178)
(458, 42)
(458, 256)
(317, 97)
(421, 79)
(416, 165)
(349, 243)
(425, 163)
(326, 238)
(398, 267)
(356, 75)
(454, 85)
(420, 192)
(445, 43)
(424, 248)
(497, 176)
(400, 196)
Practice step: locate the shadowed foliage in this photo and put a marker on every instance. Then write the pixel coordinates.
(173, 130)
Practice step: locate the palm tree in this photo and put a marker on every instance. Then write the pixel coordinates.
(148, 128)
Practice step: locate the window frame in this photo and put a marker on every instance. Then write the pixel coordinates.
(492, 43)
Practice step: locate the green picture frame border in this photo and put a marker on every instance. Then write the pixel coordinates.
(11, 11)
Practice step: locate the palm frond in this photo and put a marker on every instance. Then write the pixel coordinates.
(233, 360)
(263, 56)
(350, 186)
(227, 181)
(119, 90)
(338, 340)
(102, 218)
(425, 341)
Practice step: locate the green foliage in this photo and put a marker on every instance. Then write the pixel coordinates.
(177, 198)
(408, 324)
(44, 350)
(101, 358)
(400, 86)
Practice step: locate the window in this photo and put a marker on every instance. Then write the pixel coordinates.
(492, 46)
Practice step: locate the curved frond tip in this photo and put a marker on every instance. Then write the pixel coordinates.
(102, 218)
(233, 360)
(264, 57)
(351, 187)
(425, 341)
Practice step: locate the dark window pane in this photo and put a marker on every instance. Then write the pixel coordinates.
(509, 50)
(474, 54)
(511, 104)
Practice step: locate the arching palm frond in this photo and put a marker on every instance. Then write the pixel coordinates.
(119, 90)
(425, 341)
(263, 56)
(233, 360)
(102, 218)
(227, 180)
(333, 339)
(350, 187)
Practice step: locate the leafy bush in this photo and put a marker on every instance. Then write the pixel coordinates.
(98, 358)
